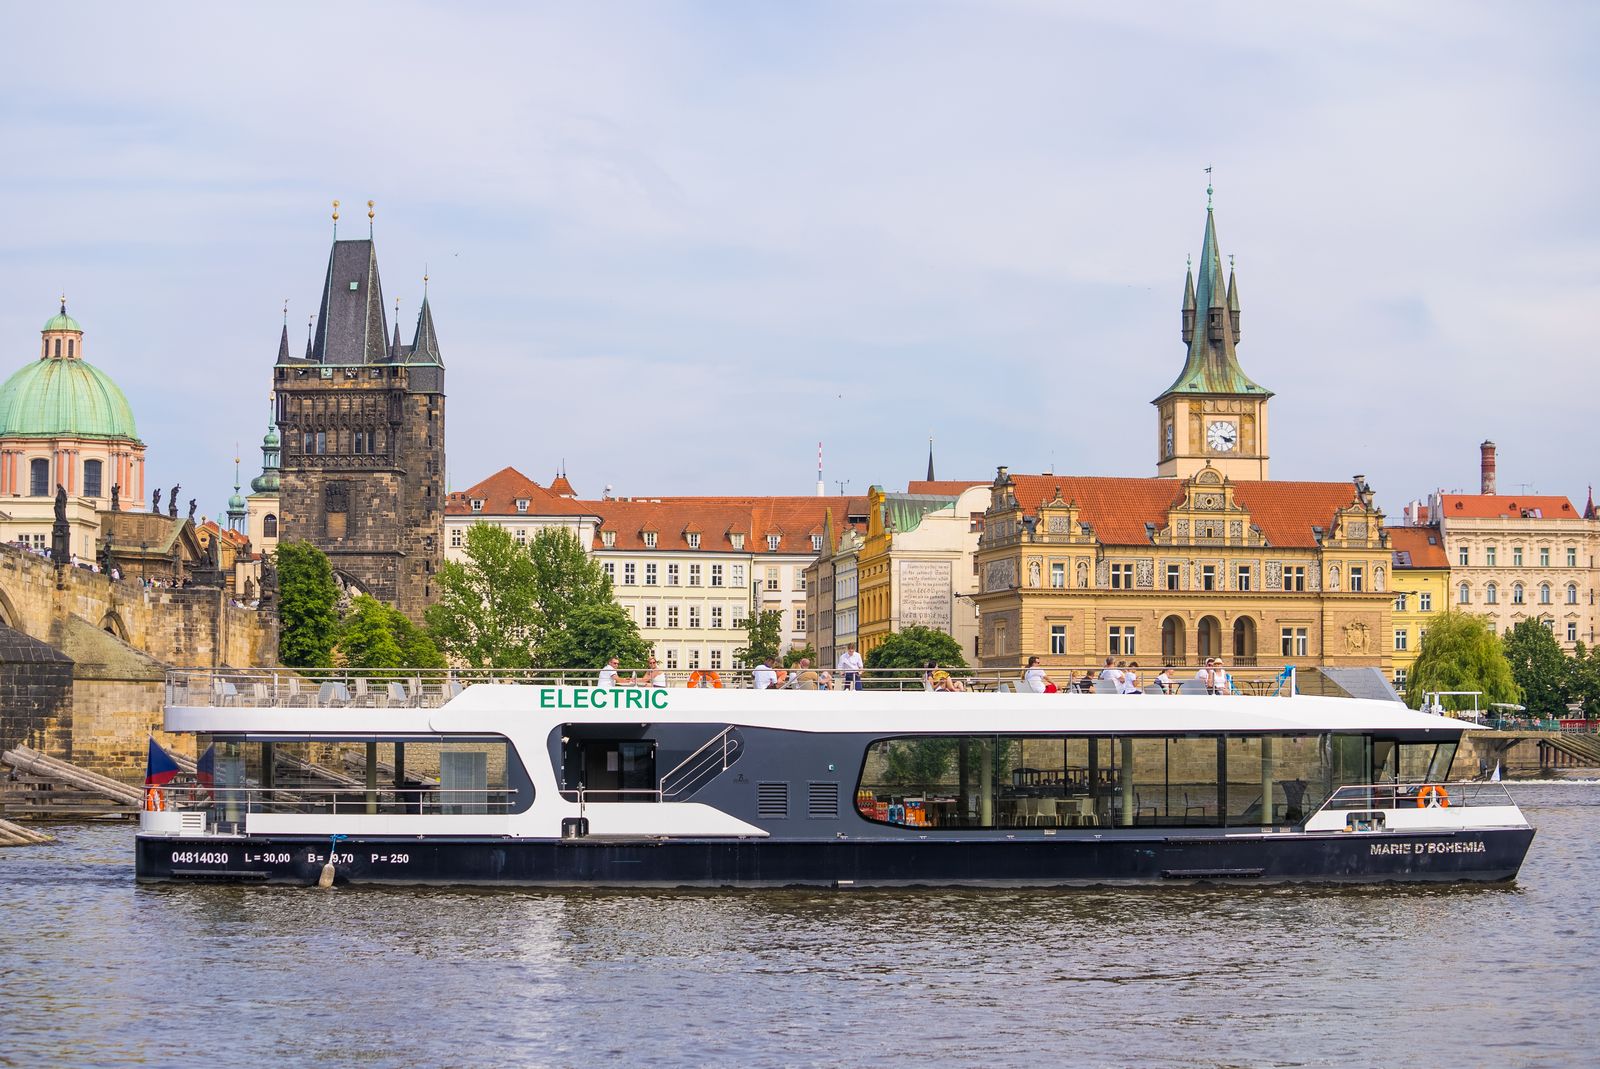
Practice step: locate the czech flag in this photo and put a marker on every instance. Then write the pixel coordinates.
(159, 768)
(205, 769)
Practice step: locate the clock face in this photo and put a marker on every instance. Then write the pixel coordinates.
(1222, 436)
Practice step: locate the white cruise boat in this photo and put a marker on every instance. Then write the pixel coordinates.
(538, 780)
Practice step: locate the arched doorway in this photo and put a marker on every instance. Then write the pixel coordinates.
(1174, 648)
(1244, 642)
(112, 624)
(1209, 632)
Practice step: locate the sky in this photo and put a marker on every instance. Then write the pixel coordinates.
(674, 246)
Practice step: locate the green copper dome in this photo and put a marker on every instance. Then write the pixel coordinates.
(62, 399)
(62, 321)
(236, 503)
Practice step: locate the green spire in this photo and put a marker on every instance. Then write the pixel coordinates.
(1210, 326)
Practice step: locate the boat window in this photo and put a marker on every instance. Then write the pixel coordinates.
(987, 781)
(420, 775)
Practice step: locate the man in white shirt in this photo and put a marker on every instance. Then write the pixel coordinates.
(850, 666)
(608, 675)
(1112, 674)
(1033, 678)
(763, 676)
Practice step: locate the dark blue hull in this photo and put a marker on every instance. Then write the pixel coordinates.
(1044, 861)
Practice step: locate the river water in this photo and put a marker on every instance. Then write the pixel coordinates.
(98, 971)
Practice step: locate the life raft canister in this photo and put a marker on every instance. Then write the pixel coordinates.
(1433, 797)
(705, 678)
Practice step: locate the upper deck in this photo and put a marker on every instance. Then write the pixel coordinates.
(464, 701)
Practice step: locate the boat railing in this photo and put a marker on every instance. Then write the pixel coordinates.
(1421, 795)
(340, 688)
(230, 803)
(711, 759)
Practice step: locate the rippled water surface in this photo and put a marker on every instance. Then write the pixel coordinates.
(96, 970)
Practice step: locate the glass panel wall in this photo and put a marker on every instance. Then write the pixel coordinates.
(989, 781)
(416, 776)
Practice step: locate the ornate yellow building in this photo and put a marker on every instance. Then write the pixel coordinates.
(1208, 559)
(1421, 591)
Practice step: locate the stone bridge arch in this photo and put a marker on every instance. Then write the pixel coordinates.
(112, 622)
(8, 613)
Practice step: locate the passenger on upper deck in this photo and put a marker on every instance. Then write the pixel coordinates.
(608, 675)
(1034, 678)
(1112, 674)
(763, 676)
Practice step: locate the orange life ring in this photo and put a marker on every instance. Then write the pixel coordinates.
(1433, 797)
(703, 678)
(153, 801)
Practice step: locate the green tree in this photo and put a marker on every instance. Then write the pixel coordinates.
(1583, 679)
(912, 648)
(591, 635)
(1461, 652)
(1539, 668)
(486, 615)
(513, 606)
(765, 634)
(792, 658)
(308, 598)
(374, 636)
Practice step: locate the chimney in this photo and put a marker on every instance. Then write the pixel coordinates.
(1487, 467)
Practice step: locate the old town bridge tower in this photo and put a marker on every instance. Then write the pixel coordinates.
(362, 422)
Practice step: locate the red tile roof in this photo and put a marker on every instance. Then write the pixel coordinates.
(1119, 509)
(1417, 547)
(500, 493)
(940, 487)
(1505, 506)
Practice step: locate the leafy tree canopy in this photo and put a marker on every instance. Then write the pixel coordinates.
(765, 631)
(308, 598)
(1538, 666)
(793, 657)
(914, 647)
(514, 606)
(374, 636)
(1461, 652)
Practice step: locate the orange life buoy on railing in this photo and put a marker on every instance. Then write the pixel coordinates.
(705, 678)
(1433, 797)
(153, 801)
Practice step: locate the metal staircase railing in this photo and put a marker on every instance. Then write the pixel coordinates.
(713, 758)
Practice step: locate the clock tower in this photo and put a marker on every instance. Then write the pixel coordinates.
(1212, 414)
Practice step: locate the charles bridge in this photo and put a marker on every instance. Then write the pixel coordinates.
(83, 657)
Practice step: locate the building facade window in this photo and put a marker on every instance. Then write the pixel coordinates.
(39, 477)
(608, 538)
(1491, 594)
(1463, 595)
(610, 570)
(1425, 601)
(738, 541)
(269, 528)
(649, 616)
(1001, 644)
(522, 536)
(694, 616)
(1294, 578)
(1244, 577)
(716, 660)
(1516, 594)
(772, 578)
(1461, 556)
(1516, 556)
(1400, 636)
(672, 658)
(694, 575)
(629, 570)
(772, 543)
(1400, 603)
(694, 659)
(694, 539)
(1208, 577)
(650, 573)
(716, 616)
(1572, 630)
(1572, 593)
(816, 543)
(1544, 556)
(1172, 576)
(1489, 555)
(1572, 557)
(1358, 579)
(455, 535)
(1122, 577)
(1122, 640)
(1058, 575)
(672, 616)
(1058, 639)
(716, 575)
(91, 478)
(672, 575)
(1544, 593)
(649, 540)
(1295, 641)
(800, 618)
(737, 576)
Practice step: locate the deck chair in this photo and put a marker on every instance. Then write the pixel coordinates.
(333, 695)
(1192, 686)
(1105, 686)
(397, 694)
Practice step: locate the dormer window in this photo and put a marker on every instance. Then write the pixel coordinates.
(816, 543)
(649, 540)
(477, 504)
(608, 538)
(522, 504)
(738, 541)
(772, 543)
(694, 539)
